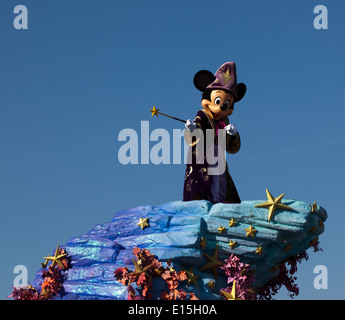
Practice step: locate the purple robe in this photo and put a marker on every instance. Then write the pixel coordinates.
(198, 185)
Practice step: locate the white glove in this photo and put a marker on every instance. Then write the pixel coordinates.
(231, 129)
(190, 125)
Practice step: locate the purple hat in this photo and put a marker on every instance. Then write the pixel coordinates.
(224, 79)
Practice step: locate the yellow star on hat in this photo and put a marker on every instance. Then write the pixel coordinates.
(226, 76)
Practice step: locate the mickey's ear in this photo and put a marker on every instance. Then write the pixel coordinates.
(202, 79)
(241, 91)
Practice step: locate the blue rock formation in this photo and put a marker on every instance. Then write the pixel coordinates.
(175, 231)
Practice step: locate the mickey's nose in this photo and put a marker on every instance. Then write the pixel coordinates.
(224, 106)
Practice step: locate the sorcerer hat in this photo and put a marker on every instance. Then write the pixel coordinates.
(224, 79)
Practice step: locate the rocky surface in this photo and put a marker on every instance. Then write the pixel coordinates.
(175, 231)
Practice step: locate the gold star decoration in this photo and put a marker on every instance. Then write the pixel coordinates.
(138, 270)
(191, 277)
(211, 284)
(226, 76)
(273, 204)
(259, 251)
(232, 223)
(250, 231)
(213, 262)
(313, 207)
(56, 259)
(143, 223)
(154, 111)
(203, 243)
(221, 229)
(232, 244)
(231, 295)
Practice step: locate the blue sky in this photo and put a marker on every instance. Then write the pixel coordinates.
(85, 70)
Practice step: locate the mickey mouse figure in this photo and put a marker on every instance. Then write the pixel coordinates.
(219, 94)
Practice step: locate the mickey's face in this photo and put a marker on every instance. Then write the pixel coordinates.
(220, 106)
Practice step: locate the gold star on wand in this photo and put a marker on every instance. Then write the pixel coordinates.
(213, 262)
(155, 112)
(273, 204)
(231, 295)
(56, 259)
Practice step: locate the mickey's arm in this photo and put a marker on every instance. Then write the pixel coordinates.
(233, 143)
(233, 140)
(199, 122)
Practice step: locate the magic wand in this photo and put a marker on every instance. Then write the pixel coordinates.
(156, 112)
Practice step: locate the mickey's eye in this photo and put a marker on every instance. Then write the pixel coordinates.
(217, 101)
(226, 104)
